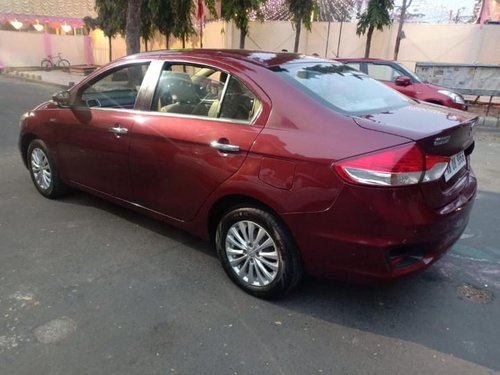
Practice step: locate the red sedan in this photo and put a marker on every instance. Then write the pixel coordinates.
(289, 164)
(397, 76)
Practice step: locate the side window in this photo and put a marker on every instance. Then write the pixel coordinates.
(239, 103)
(117, 89)
(354, 65)
(382, 72)
(189, 89)
(203, 91)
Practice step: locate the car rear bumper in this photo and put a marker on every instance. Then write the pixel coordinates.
(379, 234)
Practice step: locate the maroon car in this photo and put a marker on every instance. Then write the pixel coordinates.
(289, 164)
(397, 76)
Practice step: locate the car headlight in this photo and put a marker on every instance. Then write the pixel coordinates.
(454, 96)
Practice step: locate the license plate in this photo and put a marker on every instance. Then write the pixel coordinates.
(456, 163)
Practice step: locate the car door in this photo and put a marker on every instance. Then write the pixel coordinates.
(94, 152)
(197, 134)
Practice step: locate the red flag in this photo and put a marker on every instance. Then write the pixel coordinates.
(485, 14)
(201, 10)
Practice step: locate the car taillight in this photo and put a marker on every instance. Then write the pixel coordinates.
(405, 165)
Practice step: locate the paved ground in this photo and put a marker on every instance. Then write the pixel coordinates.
(87, 287)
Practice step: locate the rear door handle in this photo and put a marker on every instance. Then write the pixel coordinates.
(117, 129)
(225, 147)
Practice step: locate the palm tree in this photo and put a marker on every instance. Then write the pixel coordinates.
(163, 18)
(133, 26)
(239, 12)
(301, 11)
(375, 16)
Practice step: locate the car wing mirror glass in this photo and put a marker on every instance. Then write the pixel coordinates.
(62, 98)
(403, 81)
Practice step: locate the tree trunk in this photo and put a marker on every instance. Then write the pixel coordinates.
(298, 27)
(146, 45)
(167, 41)
(404, 6)
(110, 50)
(243, 35)
(132, 28)
(183, 42)
(368, 41)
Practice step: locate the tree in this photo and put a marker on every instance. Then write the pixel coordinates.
(301, 11)
(238, 11)
(183, 24)
(402, 17)
(163, 18)
(376, 16)
(111, 19)
(133, 26)
(147, 27)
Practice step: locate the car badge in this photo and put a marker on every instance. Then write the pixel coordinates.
(439, 141)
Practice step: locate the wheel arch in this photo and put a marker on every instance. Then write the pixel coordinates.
(26, 139)
(227, 202)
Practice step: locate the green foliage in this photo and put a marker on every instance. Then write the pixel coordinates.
(302, 11)
(174, 17)
(183, 25)
(211, 7)
(111, 17)
(162, 16)
(239, 11)
(147, 27)
(375, 16)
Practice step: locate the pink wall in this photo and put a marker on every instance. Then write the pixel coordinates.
(28, 49)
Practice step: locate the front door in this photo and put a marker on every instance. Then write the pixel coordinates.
(94, 153)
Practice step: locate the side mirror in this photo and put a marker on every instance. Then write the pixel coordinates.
(62, 98)
(403, 81)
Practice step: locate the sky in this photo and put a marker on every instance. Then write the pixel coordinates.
(438, 11)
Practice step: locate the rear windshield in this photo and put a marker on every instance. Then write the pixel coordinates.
(342, 87)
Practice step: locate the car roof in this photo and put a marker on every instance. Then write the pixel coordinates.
(261, 58)
(363, 59)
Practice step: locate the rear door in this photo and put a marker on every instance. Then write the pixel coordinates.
(201, 125)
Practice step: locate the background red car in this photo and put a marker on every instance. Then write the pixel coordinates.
(287, 163)
(397, 76)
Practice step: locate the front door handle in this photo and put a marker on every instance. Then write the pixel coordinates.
(225, 147)
(117, 129)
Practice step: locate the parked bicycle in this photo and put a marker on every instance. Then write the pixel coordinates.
(51, 62)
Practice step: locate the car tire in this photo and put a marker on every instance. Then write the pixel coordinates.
(43, 171)
(258, 252)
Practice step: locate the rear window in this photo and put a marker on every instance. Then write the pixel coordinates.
(342, 88)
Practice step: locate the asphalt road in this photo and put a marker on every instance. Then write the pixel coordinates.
(87, 287)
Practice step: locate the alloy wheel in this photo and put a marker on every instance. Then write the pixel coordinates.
(40, 167)
(252, 253)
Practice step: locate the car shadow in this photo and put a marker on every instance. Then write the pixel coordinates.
(159, 227)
